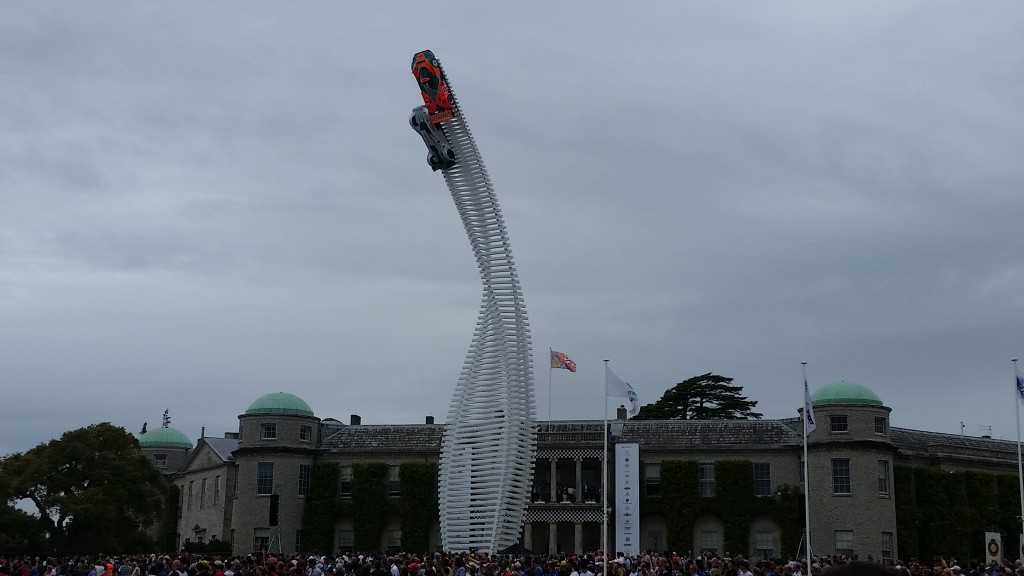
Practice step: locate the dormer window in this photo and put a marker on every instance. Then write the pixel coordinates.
(268, 431)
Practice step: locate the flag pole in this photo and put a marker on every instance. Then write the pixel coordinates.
(807, 480)
(604, 475)
(1020, 468)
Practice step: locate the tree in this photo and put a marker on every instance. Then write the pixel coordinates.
(705, 397)
(20, 532)
(93, 488)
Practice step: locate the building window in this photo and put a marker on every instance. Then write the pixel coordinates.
(708, 542)
(883, 477)
(655, 540)
(202, 493)
(345, 481)
(839, 423)
(394, 481)
(764, 545)
(394, 540)
(879, 425)
(841, 483)
(300, 546)
(264, 478)
(305, 433)
(706, 477)
(216, 490)
(234, 483)
(887, 541)
(844, 543)
(191, 486)
(346, 539)
(304, 472)
(181, 499)
(652, 480)
(268, 431)
(762, 479)
(160, 460)
(261, 540)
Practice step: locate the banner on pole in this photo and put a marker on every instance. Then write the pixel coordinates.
(993, 547)
(627, 498)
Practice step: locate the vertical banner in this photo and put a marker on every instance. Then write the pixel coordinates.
(627, 498)
(993, 547)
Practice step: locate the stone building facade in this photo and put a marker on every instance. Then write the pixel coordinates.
(851, 459)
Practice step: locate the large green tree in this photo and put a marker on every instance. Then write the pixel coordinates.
(93, 488)
(705, 397)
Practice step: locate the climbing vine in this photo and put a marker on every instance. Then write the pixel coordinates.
(418, 506)
(320, 507)
(735, 502)
(369, 506)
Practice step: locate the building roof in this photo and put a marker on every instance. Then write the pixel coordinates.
(844, 392)
(165, 438)
(653, 434)
(223, 446)
(718, 434)
(937, 444)
(280, 403)
(389, 438)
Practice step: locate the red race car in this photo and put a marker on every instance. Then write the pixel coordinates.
(433, 86)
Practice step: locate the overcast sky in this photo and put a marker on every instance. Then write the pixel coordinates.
(201, 203)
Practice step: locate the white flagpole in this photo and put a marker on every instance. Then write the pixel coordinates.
(807, 480)
(604, 475)
(1020, 467)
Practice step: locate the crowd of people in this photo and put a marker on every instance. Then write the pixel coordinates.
(478, 564)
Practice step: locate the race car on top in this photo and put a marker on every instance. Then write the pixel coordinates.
(433, 86)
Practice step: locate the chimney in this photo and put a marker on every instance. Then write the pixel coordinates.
(620, 414)
(355, 420)
(202, 432)
(430, 419)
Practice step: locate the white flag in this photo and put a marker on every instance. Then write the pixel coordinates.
(809, 424)
(618, 388)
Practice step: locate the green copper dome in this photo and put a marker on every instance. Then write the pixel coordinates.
(844, 392)
(280, 403)
(164, 438)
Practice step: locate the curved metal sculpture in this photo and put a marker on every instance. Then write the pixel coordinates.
(489, 443)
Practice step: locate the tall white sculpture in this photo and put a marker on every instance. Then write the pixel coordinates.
(489, 442)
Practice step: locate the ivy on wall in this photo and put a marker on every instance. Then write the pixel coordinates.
(734, 488)
(369, 505)
(735, 503)
(940, 511)
(320, 507)
(417, 504)
(907, 517)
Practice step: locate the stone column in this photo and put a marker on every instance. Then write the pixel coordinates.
(577, 541)
(528, 535)
(554, 480)
(579, 484)
(552, 537)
